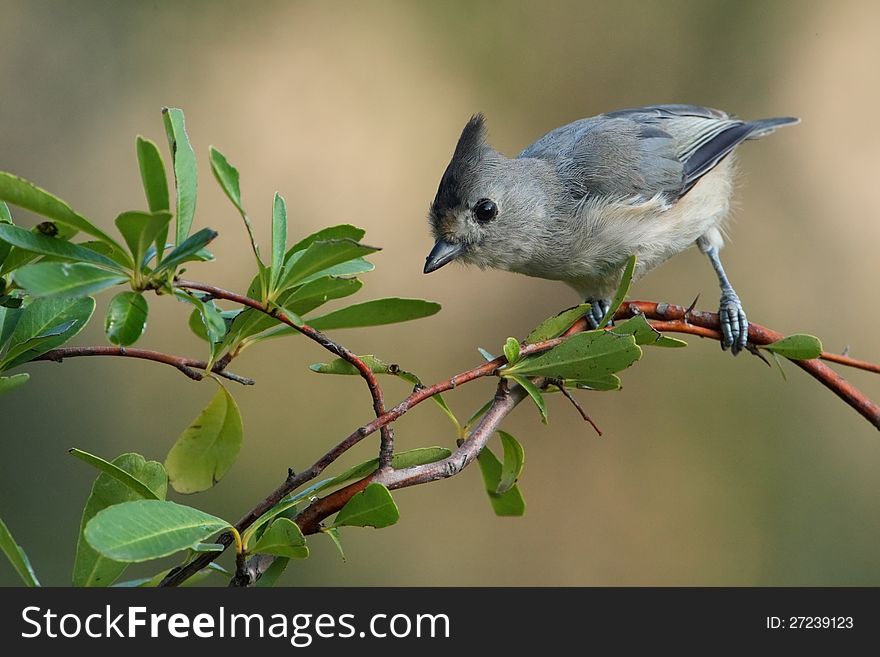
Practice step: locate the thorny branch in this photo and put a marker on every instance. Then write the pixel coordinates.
(663, 316)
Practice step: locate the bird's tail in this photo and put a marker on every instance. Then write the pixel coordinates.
(763, 127)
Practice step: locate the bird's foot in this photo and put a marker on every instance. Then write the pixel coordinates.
(734, 325)
(598, 308)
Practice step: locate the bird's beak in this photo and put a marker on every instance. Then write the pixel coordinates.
(443, 253)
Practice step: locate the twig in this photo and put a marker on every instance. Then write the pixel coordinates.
(189, 366)
(577, 405)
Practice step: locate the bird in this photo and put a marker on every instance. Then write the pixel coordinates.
(576, 204)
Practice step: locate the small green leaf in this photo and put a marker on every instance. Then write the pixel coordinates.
(306, 298)
(622, 291)
(9, 383)
(141, 229)
(142, 530)
(510, 503)
(318, 257)
(126, 318)
(206, 450)
(375, 313)
(400, 461)
(342, 366)
(349, 268)
(129, 477)
(70, 279)
(185, 178)
(125, 476)
(553, 327)
(340, 232)
(25, 194)
(598, 382)
(207, 321)
(5, 217)
(488, 357)
(511, 468)
(333, 533)
(644, 333)
(796, 347)
(511, 350)
(283, 538)
(582, 356)
(17, 557)
(534, 393)
(48, 322)
(372, 507)
(480, 412)
(279, 237)
(191, 249)
(51, 246)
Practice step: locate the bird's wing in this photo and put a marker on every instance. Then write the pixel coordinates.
(643, 152)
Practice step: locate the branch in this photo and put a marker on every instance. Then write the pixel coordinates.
(386, 448)
(666, 317)
(188, 366)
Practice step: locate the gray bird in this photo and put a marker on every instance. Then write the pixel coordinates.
(576, 204)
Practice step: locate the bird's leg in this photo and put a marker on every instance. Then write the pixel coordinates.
(734, 325)
(598, 308)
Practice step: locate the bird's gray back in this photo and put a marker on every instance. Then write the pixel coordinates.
(643, 152)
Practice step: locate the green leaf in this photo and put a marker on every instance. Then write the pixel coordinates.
(796, 347)
(272, 573)
(51, 246)
(534, 393)
(25, 194)
(153, 177)
(70, 279)
(9, 317)
(227, 176)
(342, 366)
(155, 186)
(333, 533)
(48, 322)
(340, 232)
(312, 295)
(375, 313)
(207, 321)
(129, 477)
(185, 178)
(511, 350)
(17, 557)
(206, 450)
(283, 538)
(514, 459)
(509, 503)
(126, 318)
(486, 355)
(5, 218)
(598, 382)
(644, 333)
(350, 268)
(480, 412)
(141, 229)
(142, 530)
(190, 250)
(553, 327)
(622, 291)
(372, 507)
(279, 237)
(582, 356)
(151, 472)
(318, 257)
(9, 383)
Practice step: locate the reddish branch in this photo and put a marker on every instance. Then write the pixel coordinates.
(189, 366)
(665, 317)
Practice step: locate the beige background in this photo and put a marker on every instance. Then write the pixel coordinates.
(713, 471)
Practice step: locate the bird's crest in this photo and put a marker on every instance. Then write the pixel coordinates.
(468, 152)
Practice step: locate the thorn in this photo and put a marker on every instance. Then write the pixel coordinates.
(753, 349)
(576, 404)
(691, 307)
(845, 351)
(290, 473)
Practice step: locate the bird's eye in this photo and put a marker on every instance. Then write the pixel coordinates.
(485, 210)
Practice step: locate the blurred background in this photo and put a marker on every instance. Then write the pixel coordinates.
(712, 470)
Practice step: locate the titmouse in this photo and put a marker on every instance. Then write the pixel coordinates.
(576, 204)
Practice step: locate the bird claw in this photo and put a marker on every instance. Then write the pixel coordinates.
(598, 309)
(734, 325)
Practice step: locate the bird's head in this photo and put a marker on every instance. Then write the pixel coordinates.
(476, 204)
